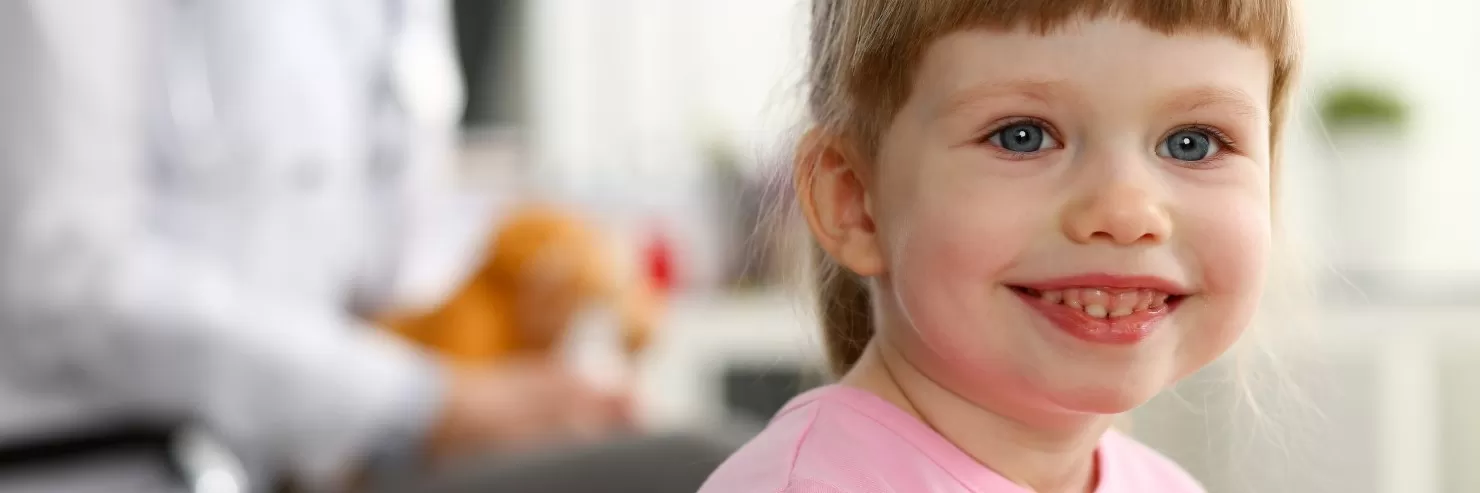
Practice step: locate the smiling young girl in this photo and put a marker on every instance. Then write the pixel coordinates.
(1035, 216)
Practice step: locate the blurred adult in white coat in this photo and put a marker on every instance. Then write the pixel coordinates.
(202, 202)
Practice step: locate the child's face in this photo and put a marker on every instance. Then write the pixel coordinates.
(1075, 219)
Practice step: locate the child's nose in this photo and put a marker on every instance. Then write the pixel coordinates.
(1121, 212)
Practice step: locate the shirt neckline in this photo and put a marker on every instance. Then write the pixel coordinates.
(975, 476)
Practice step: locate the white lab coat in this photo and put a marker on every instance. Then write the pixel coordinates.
(198, 194)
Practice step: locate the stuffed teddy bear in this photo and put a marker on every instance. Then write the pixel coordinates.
(543, 268)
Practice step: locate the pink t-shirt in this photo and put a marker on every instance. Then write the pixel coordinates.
(839, 439)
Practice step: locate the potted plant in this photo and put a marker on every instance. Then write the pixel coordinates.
(1354, 107)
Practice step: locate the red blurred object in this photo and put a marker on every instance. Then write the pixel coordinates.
(658, 258)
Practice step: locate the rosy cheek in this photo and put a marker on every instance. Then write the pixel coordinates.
(1232, 243)
(954, 240)
(945, 267)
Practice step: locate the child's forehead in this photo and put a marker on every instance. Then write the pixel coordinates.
(1099, 60)
(1089, 38)
(892, 34)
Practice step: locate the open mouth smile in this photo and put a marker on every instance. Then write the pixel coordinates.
(1111, 311)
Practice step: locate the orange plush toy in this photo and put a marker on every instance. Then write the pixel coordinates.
(543, 268)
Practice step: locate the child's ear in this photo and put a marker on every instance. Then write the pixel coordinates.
(833, 195)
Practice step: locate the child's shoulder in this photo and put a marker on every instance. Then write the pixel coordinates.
(841, 440)
(1128, 465)
(833, 440)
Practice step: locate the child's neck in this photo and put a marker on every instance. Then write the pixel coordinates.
(1047, 456)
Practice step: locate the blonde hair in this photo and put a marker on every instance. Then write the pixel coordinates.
(863, 58)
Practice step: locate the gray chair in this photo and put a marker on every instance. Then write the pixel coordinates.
(135, 457)
(675, 463)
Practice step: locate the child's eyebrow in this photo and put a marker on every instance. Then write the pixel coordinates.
(1038, 90)
(1238, 101)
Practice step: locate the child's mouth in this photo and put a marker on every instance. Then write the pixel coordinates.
(1102, 314)
(1104, 303)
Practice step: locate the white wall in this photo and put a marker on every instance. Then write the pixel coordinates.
(1431, 51)
(751, 58)
(626, 94)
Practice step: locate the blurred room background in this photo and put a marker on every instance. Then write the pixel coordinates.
(667, 115)
(666, 121)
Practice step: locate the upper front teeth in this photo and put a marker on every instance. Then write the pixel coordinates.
(1103, 303)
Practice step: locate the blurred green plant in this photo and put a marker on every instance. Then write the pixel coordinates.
(1355, 106)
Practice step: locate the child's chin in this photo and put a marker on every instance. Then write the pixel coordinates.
(1107, 404)
(1112, 396)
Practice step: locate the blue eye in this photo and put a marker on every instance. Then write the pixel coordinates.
(1188, 145)
(1022, 138)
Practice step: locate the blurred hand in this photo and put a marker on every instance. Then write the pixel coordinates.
(520, 405)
